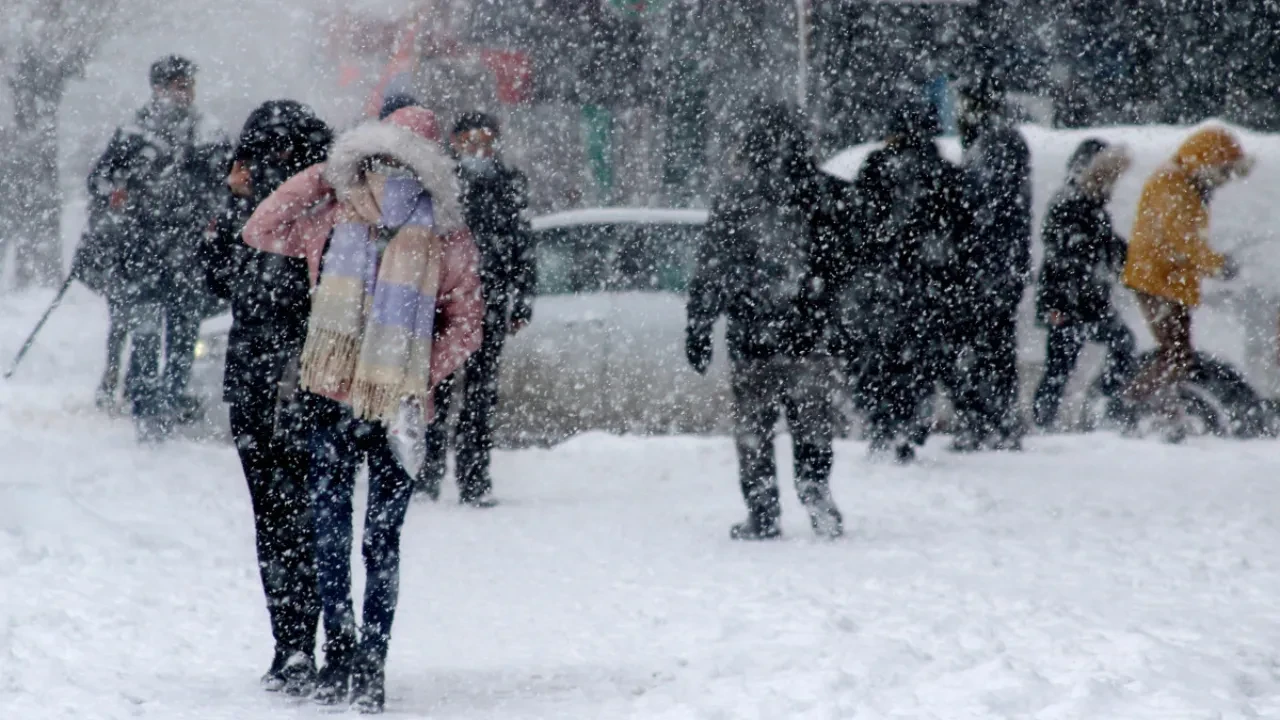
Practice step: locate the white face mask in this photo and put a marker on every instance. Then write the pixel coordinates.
(479, 166)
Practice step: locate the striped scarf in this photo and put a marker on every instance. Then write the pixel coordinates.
(372, 314)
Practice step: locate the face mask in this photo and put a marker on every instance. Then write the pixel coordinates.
(478, 166)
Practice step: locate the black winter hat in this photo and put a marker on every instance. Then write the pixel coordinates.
(396, 101)
(170, 68)
(476, 121)
(984, 92)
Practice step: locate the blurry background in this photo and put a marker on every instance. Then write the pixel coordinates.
(606, 102)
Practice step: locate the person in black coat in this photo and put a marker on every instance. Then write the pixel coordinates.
(162, 175)
(912, 213)
(494, 199)
(770, 263)
(1082, 256)
(996, 254)
(270, 304)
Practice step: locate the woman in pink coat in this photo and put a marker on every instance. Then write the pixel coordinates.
(396, 308)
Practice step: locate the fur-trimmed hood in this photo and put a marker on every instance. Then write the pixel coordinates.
(423, 156)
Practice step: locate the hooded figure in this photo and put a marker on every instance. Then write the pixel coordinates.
(395, 309)
(912, 218)
(1169, 254)
(1082, 257)
(768, 262)
(270, 302)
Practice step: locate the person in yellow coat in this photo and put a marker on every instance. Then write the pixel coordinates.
(1169, 255)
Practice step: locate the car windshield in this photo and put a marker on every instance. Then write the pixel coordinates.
(616, 258)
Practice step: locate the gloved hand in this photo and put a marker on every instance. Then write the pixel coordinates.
(521, 315)
(697, 348)
(1230, 268)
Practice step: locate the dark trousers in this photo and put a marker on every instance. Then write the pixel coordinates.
(984, 376)
(1063, 350)
(181, 331)
(339, 445)
(275, 468)
(141, 326)
(800, 387)
(473, 437)
(898, 383)
(1157, 381)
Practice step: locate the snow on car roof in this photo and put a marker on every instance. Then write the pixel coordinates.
(620, 215)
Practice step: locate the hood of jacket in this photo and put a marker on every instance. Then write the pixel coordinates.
(405, 137)
(1212, 147)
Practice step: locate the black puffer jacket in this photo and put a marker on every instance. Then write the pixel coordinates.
(912, 221)
(1082, 252)
(269, 293)
(774, 251)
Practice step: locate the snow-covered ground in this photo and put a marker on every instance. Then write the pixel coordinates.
(1089, 577)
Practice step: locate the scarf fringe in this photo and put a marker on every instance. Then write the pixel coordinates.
(328, 360)
(375, 402)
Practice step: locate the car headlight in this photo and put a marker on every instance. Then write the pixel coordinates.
(202, 349)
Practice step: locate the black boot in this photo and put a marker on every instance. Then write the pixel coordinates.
(333, 682)
(905, 453)
(299, 675)
(824, 516)
(273, 679)
(757, 526)
(368, 685)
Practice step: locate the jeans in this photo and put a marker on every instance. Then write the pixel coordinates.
(801, 387)
(339, 444)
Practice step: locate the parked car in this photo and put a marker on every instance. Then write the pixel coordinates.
(605, 350)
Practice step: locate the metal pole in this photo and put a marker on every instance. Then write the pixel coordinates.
(802, 32)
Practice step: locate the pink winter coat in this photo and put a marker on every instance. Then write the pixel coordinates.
(297, 218)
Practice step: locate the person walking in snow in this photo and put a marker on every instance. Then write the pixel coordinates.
(163, 175)
(494, 199)
(1169, 254)
(997, 259)
(766, 263)
(912, 214)
(270, 302)
(1082, 256)
(395, 309)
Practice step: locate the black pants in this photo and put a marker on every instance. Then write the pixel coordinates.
(983, 379)
(1062, 352)
(473, 437)
(275, 468)
(181, 331)
(801, 388)
(899, 381)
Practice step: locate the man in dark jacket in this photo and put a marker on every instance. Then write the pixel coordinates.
(166, 180)
(997, 260)
(1082, 255)
(494, 199)
(768, 263)
(912, 214)
(270, 304)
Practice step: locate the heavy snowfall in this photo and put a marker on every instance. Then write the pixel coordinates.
(613, 359)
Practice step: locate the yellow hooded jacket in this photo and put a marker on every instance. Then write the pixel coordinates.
(1168, 251)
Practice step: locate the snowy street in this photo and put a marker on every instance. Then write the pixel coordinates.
(1089, 577)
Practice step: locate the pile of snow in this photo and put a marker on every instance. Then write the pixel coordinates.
(1087, 577)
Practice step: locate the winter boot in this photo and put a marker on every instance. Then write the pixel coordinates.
(368, 686)
(483, 501)
(905, 453)
(299, 675)
(333, 682)
(757, 526)
(273, 679)
(186, 409)
(824, 516)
